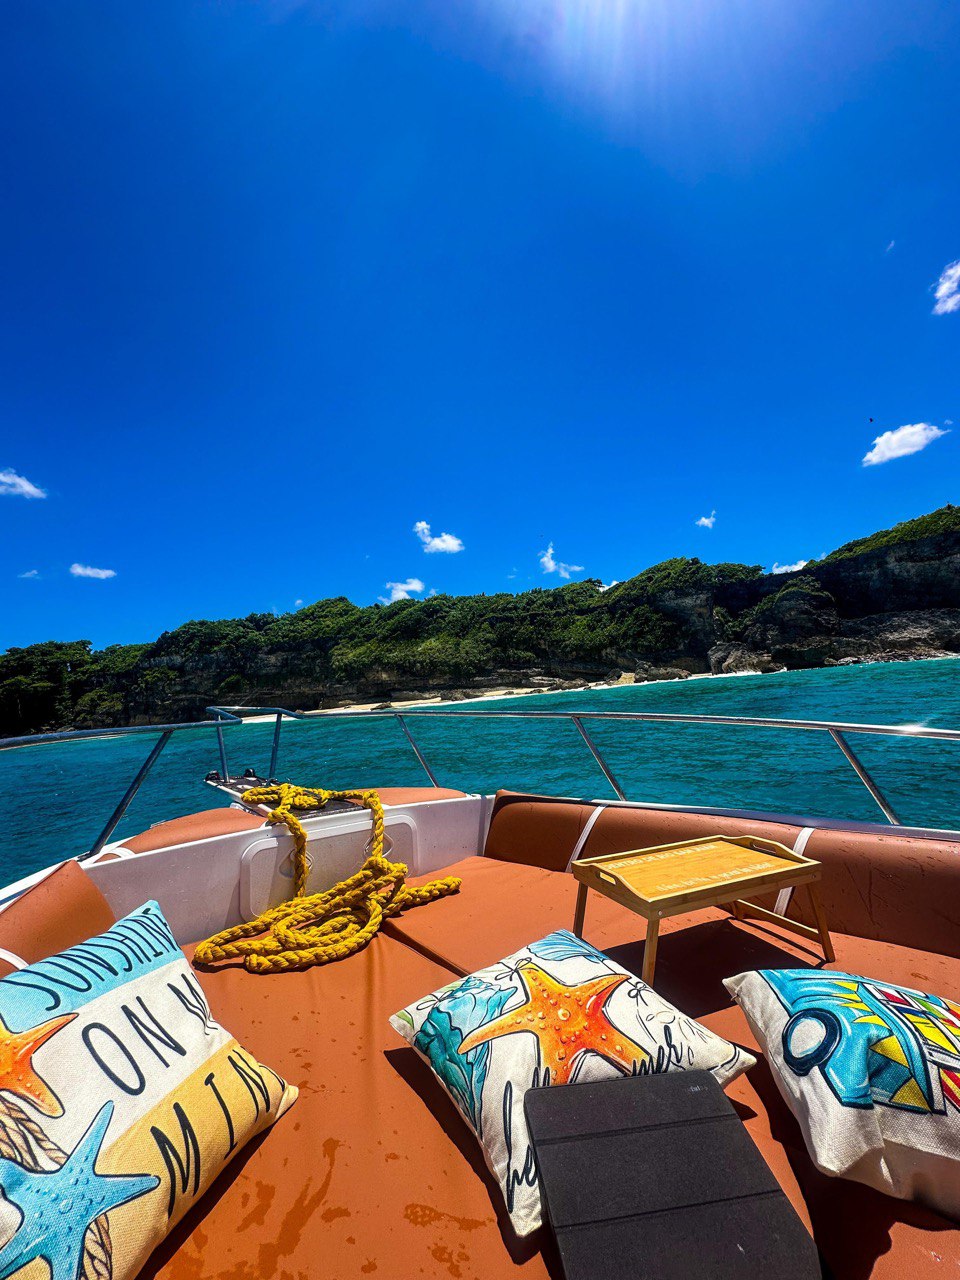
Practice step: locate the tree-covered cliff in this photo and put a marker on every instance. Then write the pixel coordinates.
(894, 594)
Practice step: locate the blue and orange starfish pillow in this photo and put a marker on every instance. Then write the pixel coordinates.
(556, 1012)
(121, 1099)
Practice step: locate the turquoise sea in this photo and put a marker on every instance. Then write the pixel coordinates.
(59, 796)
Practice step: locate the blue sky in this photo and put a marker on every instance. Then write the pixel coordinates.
(283, 280)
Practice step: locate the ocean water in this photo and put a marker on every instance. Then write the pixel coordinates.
(57, 797)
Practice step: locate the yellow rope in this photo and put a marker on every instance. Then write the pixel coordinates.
(321, 927)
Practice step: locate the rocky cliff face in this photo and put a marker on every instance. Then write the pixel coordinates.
(910, 576)
(893, 603)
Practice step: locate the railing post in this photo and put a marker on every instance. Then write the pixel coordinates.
(130, 792)
(594, 751)
(861, 772)
(223, 752)
(417, 752)
(276, 746)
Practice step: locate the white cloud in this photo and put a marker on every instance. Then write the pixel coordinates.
(297, 604)
(30, 573)
(549, 564)
(441, 542)
(947, 290)
(707, 522)
(605, 586)
(788, 568)
(402, 590)
(890, 246)
(18, 486)
(88, 571)
(910, 438)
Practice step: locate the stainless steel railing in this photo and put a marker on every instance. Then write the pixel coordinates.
(224, 717)
(229, 715)
(836, 730)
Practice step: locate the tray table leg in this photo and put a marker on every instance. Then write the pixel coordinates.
(816, 903)
(650, 951)
(581, 908)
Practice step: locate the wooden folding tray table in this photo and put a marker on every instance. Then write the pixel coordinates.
(672, 879)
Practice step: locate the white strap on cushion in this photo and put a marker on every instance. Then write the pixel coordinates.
(784, 896)
(585, 835)
(17, 962)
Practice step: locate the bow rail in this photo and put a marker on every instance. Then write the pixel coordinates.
(226, 717)
(837, 730)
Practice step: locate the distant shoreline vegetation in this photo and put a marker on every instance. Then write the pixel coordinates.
(895, 594)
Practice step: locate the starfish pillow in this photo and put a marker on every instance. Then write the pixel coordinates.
(120, 1101)
(556, 1012)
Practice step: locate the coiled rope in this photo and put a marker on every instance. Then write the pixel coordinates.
(320, 927)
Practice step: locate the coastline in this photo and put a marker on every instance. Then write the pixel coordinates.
(485, 695)
(508, 692)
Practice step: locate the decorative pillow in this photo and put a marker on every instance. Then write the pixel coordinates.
(120, 1101)
(872, 1073)
(556, 1012)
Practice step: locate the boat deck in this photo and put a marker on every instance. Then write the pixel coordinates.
(375, 1172)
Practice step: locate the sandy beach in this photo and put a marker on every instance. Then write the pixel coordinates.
(507, 691)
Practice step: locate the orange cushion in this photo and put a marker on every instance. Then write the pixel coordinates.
(501, 907)
(377, 1165)
(374, 1173)
(543, 832)
(617, 830)
(537, 832)
(57, 912)
(890, 886)
(416, 795)
(193, 826)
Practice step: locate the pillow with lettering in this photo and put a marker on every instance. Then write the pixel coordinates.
(556, 1012)
(121, 1099)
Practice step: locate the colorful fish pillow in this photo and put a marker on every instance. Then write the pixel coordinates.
(121, 1099)
(872, 1073)
(556, 1012)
